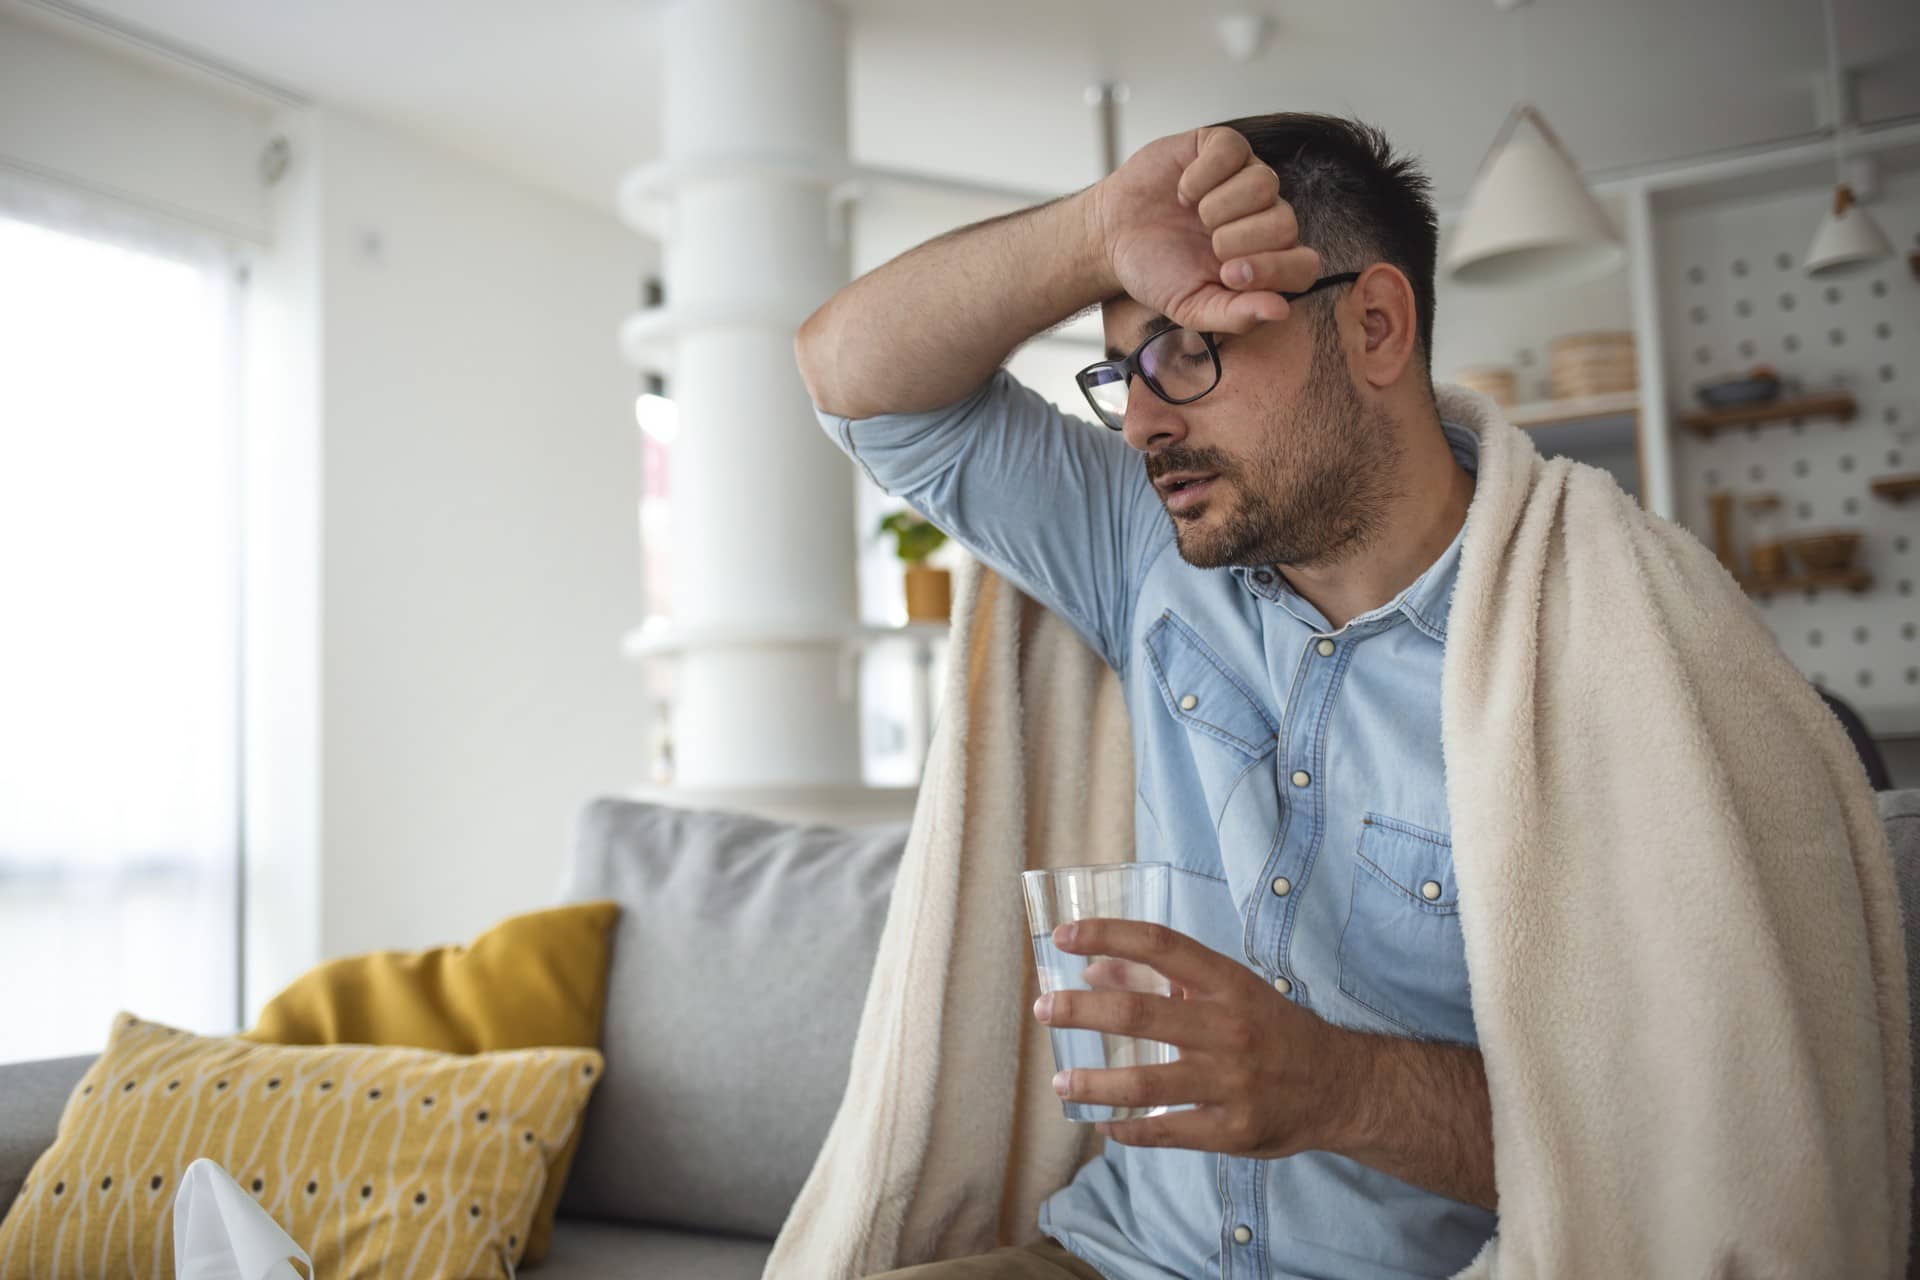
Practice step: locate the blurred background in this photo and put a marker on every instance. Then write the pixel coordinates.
(400, 441)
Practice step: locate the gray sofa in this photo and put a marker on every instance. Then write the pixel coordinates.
(740, 965)
(739, 970)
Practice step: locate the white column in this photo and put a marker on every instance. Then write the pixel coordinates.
(1656, 426)
(763, 555)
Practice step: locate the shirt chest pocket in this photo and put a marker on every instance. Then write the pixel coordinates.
(1226, 722)
(1402, 954)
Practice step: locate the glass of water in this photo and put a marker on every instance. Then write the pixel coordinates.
(1117, 890)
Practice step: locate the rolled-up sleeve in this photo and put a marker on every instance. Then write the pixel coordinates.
(1060, 506)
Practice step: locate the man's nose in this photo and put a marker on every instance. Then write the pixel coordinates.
(1151, 424)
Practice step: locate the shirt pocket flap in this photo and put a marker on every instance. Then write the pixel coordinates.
(1412, 860)
(1202, 693)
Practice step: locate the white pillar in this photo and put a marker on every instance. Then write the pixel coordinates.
(763, 555)
(1655, 436)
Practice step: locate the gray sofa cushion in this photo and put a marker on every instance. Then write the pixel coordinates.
(32, 1096)
(740, 966)
(585, 1250)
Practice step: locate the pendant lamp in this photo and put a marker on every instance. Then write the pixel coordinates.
(1530, 218)
(1847, 238)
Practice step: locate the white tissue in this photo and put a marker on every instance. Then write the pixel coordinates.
(221, 1233)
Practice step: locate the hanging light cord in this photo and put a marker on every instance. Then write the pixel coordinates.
(1836, 97)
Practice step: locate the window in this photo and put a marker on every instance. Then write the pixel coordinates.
(119, 655)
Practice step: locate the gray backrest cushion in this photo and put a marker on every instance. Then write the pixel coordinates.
(1900, 810)
(32, 1096)
(740, 967)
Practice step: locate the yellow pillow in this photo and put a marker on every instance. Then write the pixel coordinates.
(533, 980)
(377, 1161)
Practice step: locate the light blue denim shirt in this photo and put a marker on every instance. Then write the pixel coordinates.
(1290, 772)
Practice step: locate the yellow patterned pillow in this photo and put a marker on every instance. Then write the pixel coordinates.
(531, 981)
(378, 1161)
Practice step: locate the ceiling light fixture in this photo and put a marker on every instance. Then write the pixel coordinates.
(1848, 237)
(1530, 217)
(1243, 35)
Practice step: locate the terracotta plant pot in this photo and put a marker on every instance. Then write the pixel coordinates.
(929, 593)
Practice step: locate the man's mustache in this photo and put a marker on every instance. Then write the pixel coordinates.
(1177, 460)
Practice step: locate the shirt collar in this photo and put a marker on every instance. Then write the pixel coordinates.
(1426, 602)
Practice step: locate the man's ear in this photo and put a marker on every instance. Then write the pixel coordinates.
(1389, 323)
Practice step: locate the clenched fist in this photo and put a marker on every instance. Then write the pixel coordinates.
(1195, 227)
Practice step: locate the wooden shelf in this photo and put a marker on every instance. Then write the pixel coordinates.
(1833, 404)
(1543, 413)
(1843, 580)
(1586, 424)
(1897, 488)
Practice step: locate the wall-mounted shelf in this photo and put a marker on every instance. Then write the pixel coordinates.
(1897, 488)
(1838, 405)
(1584, 424)
(1541, 413)
(1843, 580)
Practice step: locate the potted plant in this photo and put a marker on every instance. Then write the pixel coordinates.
(929, 590)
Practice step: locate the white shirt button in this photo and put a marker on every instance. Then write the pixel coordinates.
(1282, 886)
(1282, 985)
(1301, 778)
(1189, 702)
(1242, 1235)
(1326, 648)
(1430, 890)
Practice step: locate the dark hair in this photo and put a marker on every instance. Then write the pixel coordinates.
(1355, 200)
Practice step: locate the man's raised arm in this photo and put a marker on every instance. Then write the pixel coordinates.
(1192, 225)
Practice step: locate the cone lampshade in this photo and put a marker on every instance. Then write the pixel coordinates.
(1847, 238)
(1530, 218)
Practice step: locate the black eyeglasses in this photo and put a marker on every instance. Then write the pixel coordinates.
(1178, 365)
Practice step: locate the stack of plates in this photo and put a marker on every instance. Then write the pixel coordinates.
(1591, 364)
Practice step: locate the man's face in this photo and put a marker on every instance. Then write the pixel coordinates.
(1281, 463)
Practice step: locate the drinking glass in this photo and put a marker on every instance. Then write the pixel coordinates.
(1118, 890)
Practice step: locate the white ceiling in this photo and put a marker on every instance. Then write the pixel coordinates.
(564, 94)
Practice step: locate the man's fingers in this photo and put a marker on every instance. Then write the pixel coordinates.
(1252, 190)
(1270, 230)
(1219, 310)
(1187, 1024)
(1222, 153)
(1110, 974)
(1196, 1130)
(1288, 271)
(1177, 957)
(1171, 1084)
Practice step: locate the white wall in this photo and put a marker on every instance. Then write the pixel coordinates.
(480, 553)
(280, 458)
(1512, 327)
(1439, 78)
(444, 480)
(72, 110)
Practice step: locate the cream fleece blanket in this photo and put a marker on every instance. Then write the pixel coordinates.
(1682, 927)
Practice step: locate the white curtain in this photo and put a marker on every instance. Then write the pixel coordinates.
(119, 607)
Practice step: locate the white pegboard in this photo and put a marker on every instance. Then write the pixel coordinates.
(1734, 295)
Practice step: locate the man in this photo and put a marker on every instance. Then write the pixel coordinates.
(1263, 543)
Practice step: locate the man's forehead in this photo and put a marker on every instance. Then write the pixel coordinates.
(1127, 323)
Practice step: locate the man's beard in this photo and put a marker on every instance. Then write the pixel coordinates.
(1314, 492)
